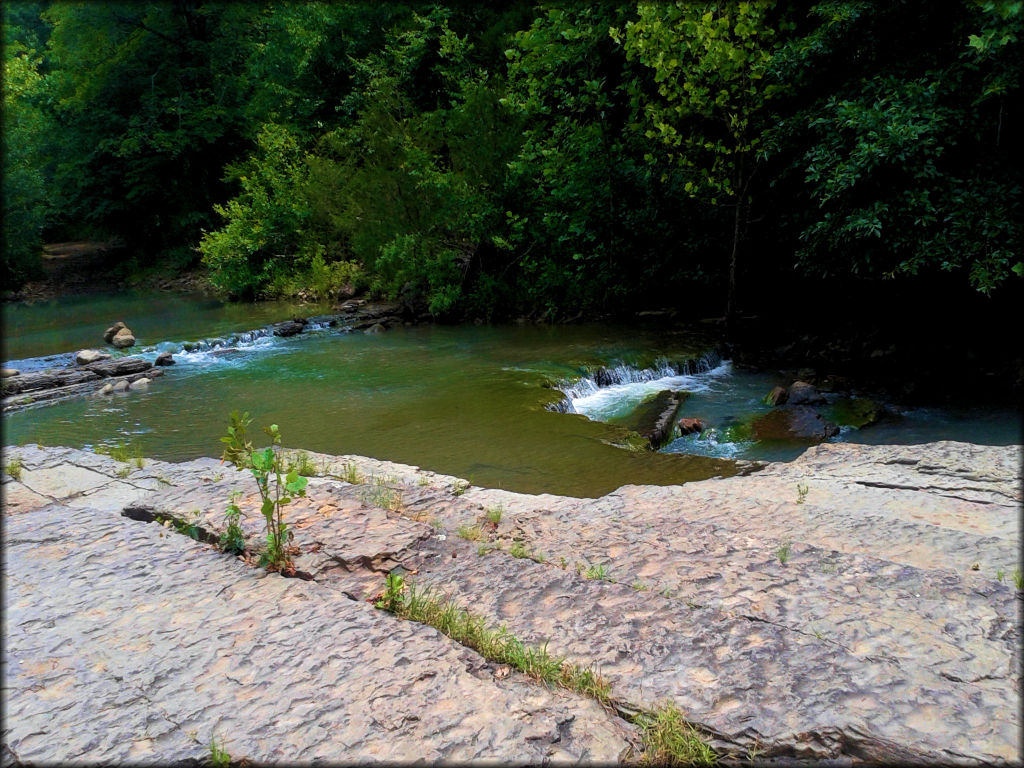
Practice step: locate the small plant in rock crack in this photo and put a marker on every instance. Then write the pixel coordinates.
(233, 539)
(459, 487)
(801, 493)
(13, 467)
(264, 465)
(783, 553)
(598, 573)
(393, 596)
(219, 758)
(494, 515)
(1018, 580)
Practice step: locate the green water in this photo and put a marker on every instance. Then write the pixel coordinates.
(467, 400)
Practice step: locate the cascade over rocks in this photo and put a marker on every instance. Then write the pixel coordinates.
(290, 327)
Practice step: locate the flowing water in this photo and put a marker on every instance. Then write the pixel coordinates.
(472, 401)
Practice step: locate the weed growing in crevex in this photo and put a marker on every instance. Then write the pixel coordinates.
(13, 467)
(518, 550)
(264, 465)
(163, 480)
(495, 644)
(598, 573)
(470, 532)
(218, 757)
(494, 514)
(232, 540)
(380, 494)
(801, 493)
(122, 452)
(123, 472)
(459, 487)
(303, 464)
(1018, 579)
(639, 586)
(999, 574)
(350, 473)
(670, 740)
(783, 553)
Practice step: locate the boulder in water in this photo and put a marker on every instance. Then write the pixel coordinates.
(802, 393)
(692, 426)
(800, 422)
(856, 412)
(290, 327)
(108, 335)
(164, 358)
(376, 328)
(120, 367)
(123, 338)
(120, 386)
(139, 383)
(86, 356)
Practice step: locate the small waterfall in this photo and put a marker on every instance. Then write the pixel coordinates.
(608, 376)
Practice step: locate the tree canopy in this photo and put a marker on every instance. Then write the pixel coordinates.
(485, 159)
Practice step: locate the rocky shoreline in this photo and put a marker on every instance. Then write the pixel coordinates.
(856, 604)
(93, 372)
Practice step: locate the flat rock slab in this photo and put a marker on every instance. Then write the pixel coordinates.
(856, 603)
(127, 643)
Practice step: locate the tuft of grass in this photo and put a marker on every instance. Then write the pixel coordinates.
(639, 586)
(219, 758)
(470, 532)
(350, 473)
(302, 464)
(670, 740)
(381, 494)
(13, 467)
(123, 472)
(1018, 579)
(423, 482)
(459, 487)
(494, 514)
(409, 602)
(598, 573)
(163, 480)
(801, 493)
(518, 549)
(1000, 573)
(783, 552)
(129, 454)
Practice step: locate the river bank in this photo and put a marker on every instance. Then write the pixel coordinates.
(858, 602)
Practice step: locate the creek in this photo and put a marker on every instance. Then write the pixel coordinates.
(471, 401)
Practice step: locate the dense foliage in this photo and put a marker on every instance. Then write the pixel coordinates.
(484, 159)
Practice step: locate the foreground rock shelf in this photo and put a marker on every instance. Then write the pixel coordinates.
(857, 603)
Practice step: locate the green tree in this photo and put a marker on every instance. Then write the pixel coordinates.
(713, 102)
(25, 202)
(905, 166)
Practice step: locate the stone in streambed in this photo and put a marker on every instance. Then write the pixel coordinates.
(142, 383)
(86, 356)
(108, 335)
(802, 393)
(800, 422)
(376, 328)
(692, 426)
(8, 372)
(776, 397)
(123, 338)
(290, 327)
(119, 367)
(164, 358)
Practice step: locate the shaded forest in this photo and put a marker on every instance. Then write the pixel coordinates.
(556, 159)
